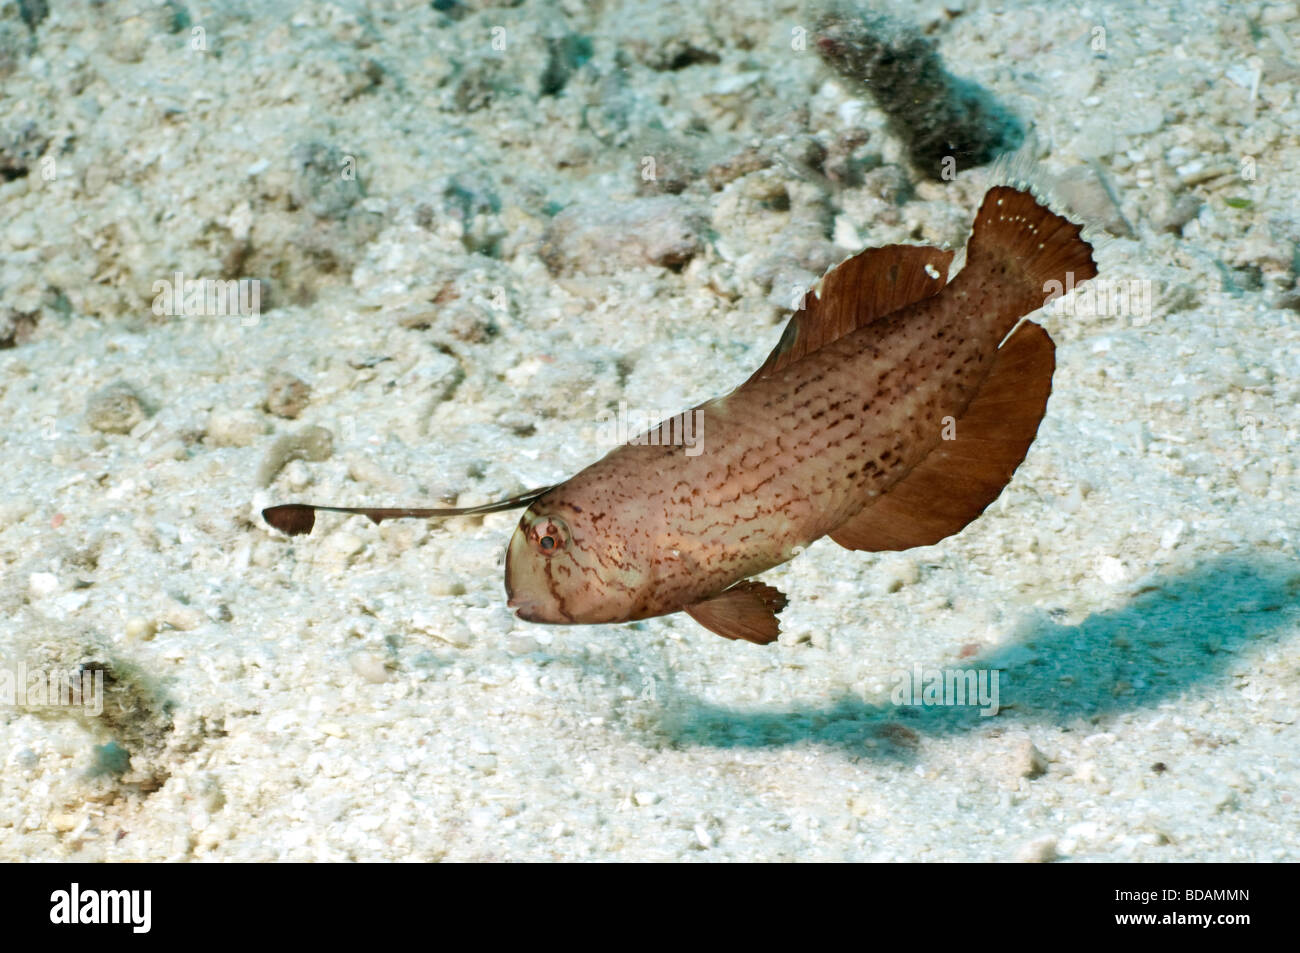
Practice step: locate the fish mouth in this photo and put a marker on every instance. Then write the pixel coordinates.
(527, 611)
(524, 608)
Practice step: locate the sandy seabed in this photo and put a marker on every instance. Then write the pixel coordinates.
(463, 268)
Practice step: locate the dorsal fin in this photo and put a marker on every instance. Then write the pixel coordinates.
(856, 292)
(954, 484)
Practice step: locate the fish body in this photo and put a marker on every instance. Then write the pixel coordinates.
(786, 459)
(891, 413)
(816, 437)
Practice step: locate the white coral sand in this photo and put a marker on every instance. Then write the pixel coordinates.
(363, 693)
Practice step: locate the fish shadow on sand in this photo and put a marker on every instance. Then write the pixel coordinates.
(1178, 632)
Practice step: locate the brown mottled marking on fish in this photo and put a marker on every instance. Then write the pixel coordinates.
(839, 433)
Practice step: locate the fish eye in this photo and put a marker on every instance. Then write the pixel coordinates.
(548, 534)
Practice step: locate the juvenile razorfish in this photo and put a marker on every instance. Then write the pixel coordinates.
(893, 410)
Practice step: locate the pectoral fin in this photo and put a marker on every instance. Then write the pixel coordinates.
(954, 484)
(745, 611)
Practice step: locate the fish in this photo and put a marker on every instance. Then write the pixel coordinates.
(895, 407)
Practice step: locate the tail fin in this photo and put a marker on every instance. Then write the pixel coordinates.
(1021, 254)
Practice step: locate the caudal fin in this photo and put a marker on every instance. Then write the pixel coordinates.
(1021, 254)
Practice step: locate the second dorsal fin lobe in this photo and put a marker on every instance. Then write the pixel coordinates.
(1019, 250)
(953, 485)
(856, 292)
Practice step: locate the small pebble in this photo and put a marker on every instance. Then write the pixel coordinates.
(663, 230)
(703, 837)
(364, 470)
(16, 327)
(1028, 761)
(340, 549)
(184, 618)
(296, 476)
(116, 408)
(286, 395)
(42, 584)
(212, 835)
(895, 573)
(439, 583)
(1170, 211)
(1084, 192)
(1253, 480)
(15, 511)
(1110, 570)
(369, 667)
(1040, 851)
(169, 450)
(139, 629)
(235, 428)
(1169, 538)
(310, 443)
(521, 644)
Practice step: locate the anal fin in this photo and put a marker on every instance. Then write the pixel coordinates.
(745, 611)
(947, 490)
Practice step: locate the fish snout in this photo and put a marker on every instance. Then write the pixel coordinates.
(526, 588)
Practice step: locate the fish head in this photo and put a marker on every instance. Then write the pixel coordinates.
(568, 563)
